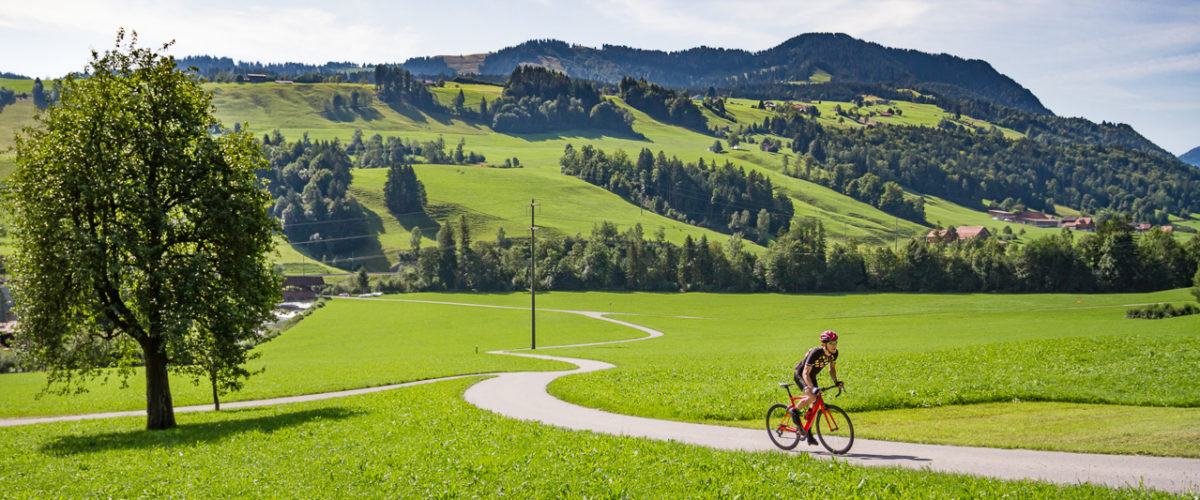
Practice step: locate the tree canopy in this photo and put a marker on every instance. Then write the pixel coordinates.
(140, 237)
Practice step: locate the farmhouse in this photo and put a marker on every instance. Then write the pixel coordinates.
(963, 233)
(1002, 215)
(1037, 219)
(256, 78)
(302, 287)
(1080, 224)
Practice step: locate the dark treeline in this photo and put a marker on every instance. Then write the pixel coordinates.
(1038, 126)
(721, 198)
(1054, 129)
(1112, 260)
(224, 69)
(379, 152)
(827, 91)
(537, 99)
(309, 182)
(663, 104)
(394, 85)
(967, 167)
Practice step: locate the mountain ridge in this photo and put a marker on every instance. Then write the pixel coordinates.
(1191, 157)
(845, 58)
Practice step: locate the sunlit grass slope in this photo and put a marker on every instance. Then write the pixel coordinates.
(492, 199)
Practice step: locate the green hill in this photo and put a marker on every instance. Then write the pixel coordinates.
(492, 199)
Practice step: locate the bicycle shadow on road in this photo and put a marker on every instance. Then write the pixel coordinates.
(868, 456)
(190, 434)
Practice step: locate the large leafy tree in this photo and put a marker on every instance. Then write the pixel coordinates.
(141, 238)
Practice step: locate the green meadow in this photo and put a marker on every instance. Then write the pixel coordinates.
(347, 344)
(425, 441)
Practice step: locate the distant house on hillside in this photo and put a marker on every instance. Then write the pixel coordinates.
(302, 287)
(963, 233)
(1002, 215)
(256, 78)
(1167, 229)
(1037, 219)
(1080, 224)
(1142, 227)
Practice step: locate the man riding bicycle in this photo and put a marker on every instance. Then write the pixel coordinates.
(807, 370)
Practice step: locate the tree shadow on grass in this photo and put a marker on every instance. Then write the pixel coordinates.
(189, 434)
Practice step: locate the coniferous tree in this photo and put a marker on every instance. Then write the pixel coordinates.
(39, 94)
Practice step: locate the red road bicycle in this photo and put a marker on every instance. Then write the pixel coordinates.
(787, 425)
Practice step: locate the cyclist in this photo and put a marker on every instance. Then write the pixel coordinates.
(807, 370)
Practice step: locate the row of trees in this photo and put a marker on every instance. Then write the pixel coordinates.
(378, 152)
(1113, 259)
(663, 104)
(721, 198)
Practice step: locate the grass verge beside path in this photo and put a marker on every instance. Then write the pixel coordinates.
(427, 442)
(1073, 427)
(348, 344)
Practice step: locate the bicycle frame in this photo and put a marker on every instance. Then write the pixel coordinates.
(817, 408)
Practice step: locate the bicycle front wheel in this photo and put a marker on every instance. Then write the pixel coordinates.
(835, 430)
(780, 427)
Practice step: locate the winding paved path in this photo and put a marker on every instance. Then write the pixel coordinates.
(522, 395)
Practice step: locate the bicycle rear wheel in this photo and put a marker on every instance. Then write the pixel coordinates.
(835, 430)
(780, 427)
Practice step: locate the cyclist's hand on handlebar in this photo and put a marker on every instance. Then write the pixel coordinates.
(841, 384)
(816, 391)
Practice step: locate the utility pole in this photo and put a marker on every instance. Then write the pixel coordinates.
(532, 276)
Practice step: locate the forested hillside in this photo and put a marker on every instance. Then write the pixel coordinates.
(844, 58)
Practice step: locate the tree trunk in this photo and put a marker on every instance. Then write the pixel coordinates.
(160, 413)
(212, 377)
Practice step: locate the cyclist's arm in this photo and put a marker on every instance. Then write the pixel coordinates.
(808, 379)
(833, 372)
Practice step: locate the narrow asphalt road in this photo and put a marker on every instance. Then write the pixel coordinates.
(523, 396)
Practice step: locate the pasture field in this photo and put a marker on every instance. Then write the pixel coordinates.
(23, 86)
(345, 345)
(903, 352)
(426, 441)
(13, 118)
(493, 198)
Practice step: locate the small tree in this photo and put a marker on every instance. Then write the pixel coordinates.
(140, 238)
(362, 281)
(716, 147)
(39, 94)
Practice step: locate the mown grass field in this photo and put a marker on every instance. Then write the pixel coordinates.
(347, 344)
(426, 441)
(906, 352)
(22, 86)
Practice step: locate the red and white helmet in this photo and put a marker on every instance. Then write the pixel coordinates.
(828, 336)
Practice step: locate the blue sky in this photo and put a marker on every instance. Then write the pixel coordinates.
(1132, 62)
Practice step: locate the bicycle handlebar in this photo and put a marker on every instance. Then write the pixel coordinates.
(838, 386)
